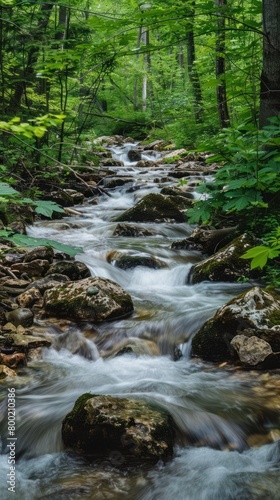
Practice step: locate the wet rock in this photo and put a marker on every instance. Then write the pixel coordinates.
(74, 270)
(206, 239)
(173, 191)
(132, 345)
(255, 309)
(29, 297)
(177, 153)
(72, 300)
(251, 350)
(134, 155)
(131, 261)
(6, 372)
(34, 269)
(110, 162)
(181, 202)
(13, 286)
(20, 316)
(226, 264)
(144, 164)
(153, 207)
(41, 253)
(13, 256)
(24, 343)
(66, 198)
(16, 360)
(98, 425)
(9, 328)
(114, 182)
(47, 282)
(158, 145)
(132, 231)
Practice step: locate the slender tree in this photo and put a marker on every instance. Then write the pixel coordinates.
(221, 64)
(270, 77)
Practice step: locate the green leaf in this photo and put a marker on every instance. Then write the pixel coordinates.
(7, 190)
(46, 208)
(27, 241)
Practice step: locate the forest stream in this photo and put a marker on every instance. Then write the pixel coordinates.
(226, 445)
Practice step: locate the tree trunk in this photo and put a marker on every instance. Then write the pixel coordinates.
(270, 77)
(194, 78)
(221, 66)
(31, 59)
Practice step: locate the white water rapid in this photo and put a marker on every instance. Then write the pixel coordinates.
(214, 408)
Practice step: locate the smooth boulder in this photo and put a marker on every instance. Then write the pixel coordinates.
(101, 425)
(91, 299)
(152, 208)
(255, 312)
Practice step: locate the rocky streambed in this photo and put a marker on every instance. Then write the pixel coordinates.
(144, 353)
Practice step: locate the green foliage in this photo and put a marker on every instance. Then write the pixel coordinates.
(259, 255)
(9, 195)
(33, 128)
(248, 179)
(23, 240)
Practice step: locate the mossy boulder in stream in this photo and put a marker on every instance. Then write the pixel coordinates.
(255, 312)
(106, 425)
(91, 299)
(152, 208)
(226, 264)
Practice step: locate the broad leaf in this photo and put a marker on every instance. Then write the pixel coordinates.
(27, 241)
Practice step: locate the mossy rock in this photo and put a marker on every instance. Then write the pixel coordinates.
(253, 312)
(152, 208)
(75, 300)
(226, 264)
(100, 424)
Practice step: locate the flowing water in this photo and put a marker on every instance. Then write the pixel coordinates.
(215, 408)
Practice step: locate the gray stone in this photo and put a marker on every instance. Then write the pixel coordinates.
(20, 316)
(255, 310)
(98, 425)
(251, 350)
(72, 301)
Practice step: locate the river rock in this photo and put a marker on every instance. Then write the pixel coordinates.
(24, 343)
(255, 310)
(13, 286)
(48, 281)
(152, 208)
(132, 345)
(20, 316)
(29, 297)
(41, 253)
(174, 191)
(111, 183)
(6, 372)
(176, 154)
(125, 261)
(144, 164)
(251, 350)
(66, 198)
(16, 360)
(34, 269)
(134, 155)
(92, 299)
(226, 264)
(132, 231)
(158, 145)
(206, 239)
(98, 425)
(73, 269)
